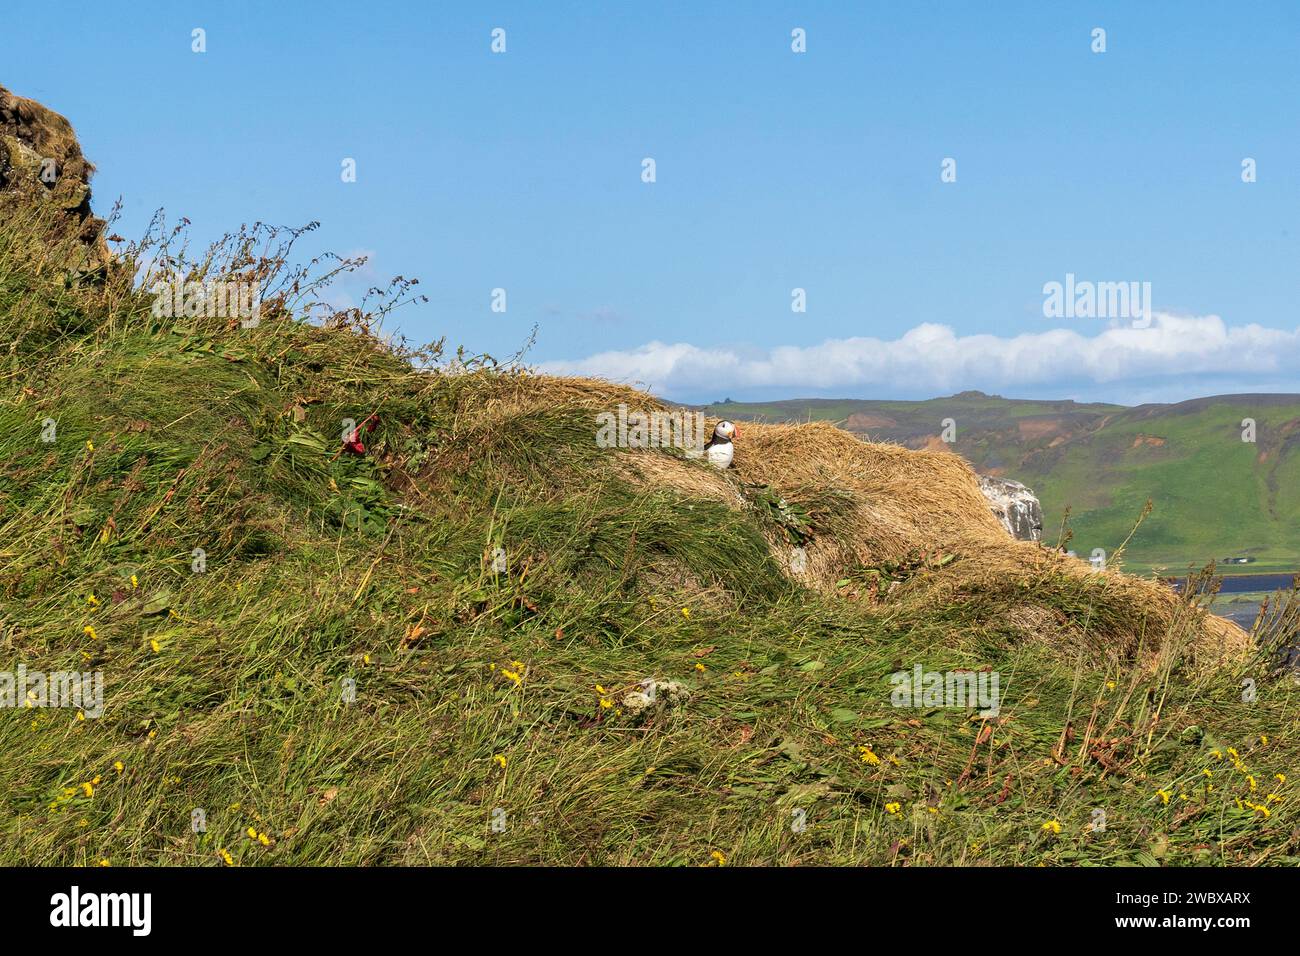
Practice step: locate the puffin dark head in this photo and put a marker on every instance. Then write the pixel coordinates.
(725, 431)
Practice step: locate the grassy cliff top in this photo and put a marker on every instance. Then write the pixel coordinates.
(480, 638)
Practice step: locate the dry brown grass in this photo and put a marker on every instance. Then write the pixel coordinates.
(904, 502)
(501, 397)
(692, 479)
(910, 501)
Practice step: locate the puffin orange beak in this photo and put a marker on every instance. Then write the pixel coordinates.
(735, 430)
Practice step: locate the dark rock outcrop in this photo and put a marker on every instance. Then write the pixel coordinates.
(41, 164)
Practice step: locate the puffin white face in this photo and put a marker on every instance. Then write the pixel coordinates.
(726, 430)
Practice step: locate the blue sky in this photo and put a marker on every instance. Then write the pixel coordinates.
(775, 170)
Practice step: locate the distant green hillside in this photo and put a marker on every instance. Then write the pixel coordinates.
(1215, 495)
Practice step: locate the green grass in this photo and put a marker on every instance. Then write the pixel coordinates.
(480, 696)
(1215, 495)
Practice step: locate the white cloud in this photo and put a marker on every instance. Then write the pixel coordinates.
(933, 358)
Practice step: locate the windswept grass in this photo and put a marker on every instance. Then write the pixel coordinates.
(322, 653)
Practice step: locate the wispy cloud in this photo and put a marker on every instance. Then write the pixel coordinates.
(602, 313)
(934, 358)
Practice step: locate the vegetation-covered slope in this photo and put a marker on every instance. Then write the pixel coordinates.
(430, 651)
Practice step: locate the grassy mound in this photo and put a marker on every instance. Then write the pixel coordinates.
(486, 640)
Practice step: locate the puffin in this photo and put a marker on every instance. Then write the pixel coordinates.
(719, 447)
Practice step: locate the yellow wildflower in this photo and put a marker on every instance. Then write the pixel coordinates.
(153, 643)
(686, 613)
(135, 582)
(88, 789)
(1164, 796)
(893, 807)
(118, 766)
(868, 757)
(91, 631)
(226, 857)
(1052, 826)
(500, 760)
(718, 858)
